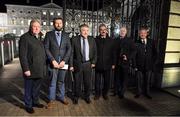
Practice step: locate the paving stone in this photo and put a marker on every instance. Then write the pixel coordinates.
(12, 90)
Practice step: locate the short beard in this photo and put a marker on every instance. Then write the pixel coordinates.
(58, 29)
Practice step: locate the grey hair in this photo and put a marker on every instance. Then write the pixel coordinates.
(123, 27)
(32, 22)
(102, 25)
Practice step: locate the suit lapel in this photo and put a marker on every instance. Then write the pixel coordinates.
(89, 42)
(62, 38)
(148, 45)
(79, 42)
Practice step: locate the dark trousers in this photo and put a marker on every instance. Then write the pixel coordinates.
(83, 76)
(105, 74)
(31, 91)
(143, 82)
(121, 79)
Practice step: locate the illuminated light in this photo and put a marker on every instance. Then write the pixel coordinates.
(22, 22)
(117, 31)
(170, 77)
(178, 91)
(174, 20)
(52, 13)
(22, 31)
(175, 7)
(173, 33)
(1, 22)
(44, 23)
(44, 13)
(172, 58)
(29, 22)
(173, 46)
(14, 31)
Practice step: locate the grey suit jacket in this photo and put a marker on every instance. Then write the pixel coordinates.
(53, 50)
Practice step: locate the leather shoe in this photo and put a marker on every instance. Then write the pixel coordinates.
(65, 102)
(148, 96)
(96, 97)
(114, 94)
(88, 100)
(38, 105)
(137, 96)
(75, 101)
(121, 96)
(29, 110)
(105, 97)
(50, 105)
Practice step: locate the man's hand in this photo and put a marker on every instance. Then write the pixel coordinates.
(61, 64)
(113, 66)
(92, 65)
(136, 69)
(55, 64)
(124, 57)
(71, 68)
(27, 73)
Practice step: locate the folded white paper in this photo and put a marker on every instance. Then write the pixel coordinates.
(65, 67)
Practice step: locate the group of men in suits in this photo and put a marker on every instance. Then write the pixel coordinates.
(82, 53)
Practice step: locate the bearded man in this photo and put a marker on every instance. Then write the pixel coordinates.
(58, 50)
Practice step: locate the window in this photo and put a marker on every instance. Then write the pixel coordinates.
(44, 23)
(44, 13)
(29, 11)
(21, 11)
(14, 31)
(58, 14)
(22, 31)
(13, 21)
(52, 13)
(29, 22)
(22, 21)
(51, 23)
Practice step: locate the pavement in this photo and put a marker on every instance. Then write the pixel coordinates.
(12, 90)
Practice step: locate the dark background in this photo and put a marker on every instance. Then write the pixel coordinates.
(97, 3)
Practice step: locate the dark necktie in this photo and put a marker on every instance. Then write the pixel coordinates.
(143, 41)
(84, 50)
(144, 44)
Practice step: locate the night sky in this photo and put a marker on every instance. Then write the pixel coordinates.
(58, 2)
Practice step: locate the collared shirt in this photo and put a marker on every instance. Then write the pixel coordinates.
(37, 36)
(103, 37)
(144, 40)
(122, 37)
(58, 37)
(86, 48)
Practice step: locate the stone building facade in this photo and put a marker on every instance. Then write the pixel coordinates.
(19, 17)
